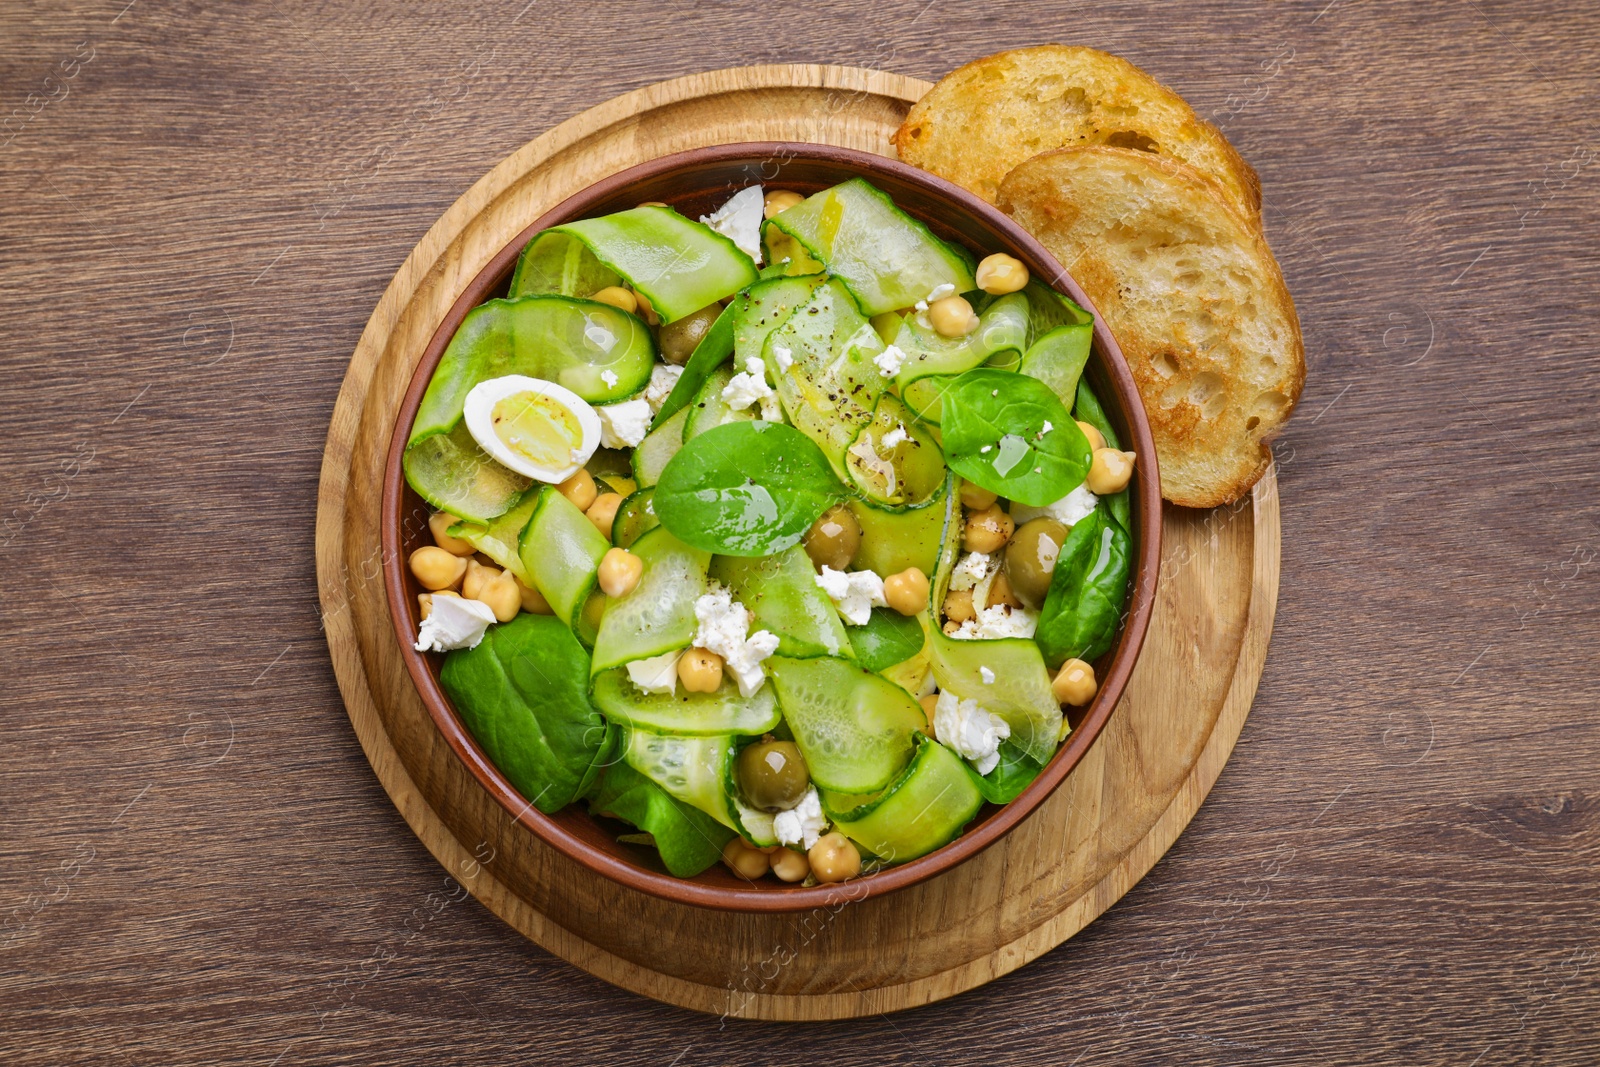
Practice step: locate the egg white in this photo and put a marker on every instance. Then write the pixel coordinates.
(479, 413)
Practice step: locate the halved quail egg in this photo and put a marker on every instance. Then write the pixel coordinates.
(535, 427)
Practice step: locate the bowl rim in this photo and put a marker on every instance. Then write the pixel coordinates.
(776, 899)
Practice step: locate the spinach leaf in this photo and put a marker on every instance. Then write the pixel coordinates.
(888, 638)
(1088, 410)
(1014, 773)
(712, 351)
(523, 694)
(688, 839)
(1011, 435)
(1084, 606)
(745, 489)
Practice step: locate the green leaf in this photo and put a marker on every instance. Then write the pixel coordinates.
(688, 839)
(1010, 434)
(523, 694)
(1087, 591)
(712, 352)
(888, 638)
(745, 489)
(1014, 773)
(1088, 409)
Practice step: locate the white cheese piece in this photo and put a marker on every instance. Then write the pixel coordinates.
(725, 630)
(663, 377)
(454, 622)
(973, 568)
(894, 436)
(658, 674)
(609, 376)
(802, 824)
(783, 356)
(624, 425)
(997, 622)
(747, 387)
(1070, 509)
(939, 292)
(739, 220)
(890, 360)
(1046, 428)
(987, 675)
(854, 593)
(970, 730)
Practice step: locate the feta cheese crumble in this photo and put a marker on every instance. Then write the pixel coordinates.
(997, 622)
(609, 376)
(987, 675)
(940, 291)
(783, 356)
(658, 674)
(1070, 509)
(663, 377)
(970, 730)
(802, 824)
(890, 360)
(454, 622)
(895, 436)
(624, 425)
(725, 630)
(973, 568)
(739, 220)
(854, 593)
(749, 387)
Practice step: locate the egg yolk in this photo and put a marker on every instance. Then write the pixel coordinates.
(537, 427)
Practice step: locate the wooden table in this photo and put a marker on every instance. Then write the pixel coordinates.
(198, 210)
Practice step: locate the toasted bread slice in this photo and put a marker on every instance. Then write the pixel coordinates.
(1192, 295)
(990, 115)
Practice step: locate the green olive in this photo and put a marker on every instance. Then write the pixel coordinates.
(773, 775)
(834, 539)
(1031, 557)
(679, 337)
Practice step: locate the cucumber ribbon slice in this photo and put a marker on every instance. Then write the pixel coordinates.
(923, 809)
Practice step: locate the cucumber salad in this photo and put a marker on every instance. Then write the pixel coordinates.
(781, 535)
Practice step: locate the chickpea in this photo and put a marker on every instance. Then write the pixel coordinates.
(1075, 683)
(645, 310)
(952, 316)
(654, 203)
(834, 539)
(679, 337)
(958, 606)
(789, 866)
(987, 530)
(439, 524)
(425, 600)
(772, 774)
(533, 601)
(699, 669)
(477, 574)
(779, 200)
(437, 569)
(502, 596)
(834, 858)
(1000, 592)
(1031, 557)
(580, 489)
(907, 591)
(1096, 438)
(1109, 471)
(976, 496)
(617, 297)
(746, 862)
(1000, 274)
(929, 703)
(619, 572)
(603, 512)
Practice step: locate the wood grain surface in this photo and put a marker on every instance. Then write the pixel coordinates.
(199, 208)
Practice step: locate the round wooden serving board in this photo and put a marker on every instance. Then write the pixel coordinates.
(1087, 845)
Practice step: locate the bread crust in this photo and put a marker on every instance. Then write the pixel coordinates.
(988, 116)
(1186, 283)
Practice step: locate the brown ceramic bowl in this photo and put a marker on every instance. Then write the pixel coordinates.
(694, 182)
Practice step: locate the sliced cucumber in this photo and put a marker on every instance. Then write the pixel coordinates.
(894, 539)
(710, 410)
(886, 258)
(560, 264)
(924, 809)
(932, 360)
(561, 550)
(912, 674)
(831, 387)
(854, 728)
(782, 592)
(452, 473)
(658, 615)
(600, 352)
(635, 515)
(1057, 359)
(680, 712)
(764, 307)
(905, 474)
(680, 264)
(784, 255)
(501, 539)
(693, 769)
(658, 446)
(1048, 309)
(712, 351)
